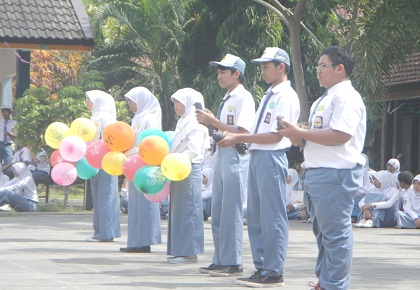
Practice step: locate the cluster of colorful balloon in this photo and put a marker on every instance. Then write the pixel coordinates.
(150, 170)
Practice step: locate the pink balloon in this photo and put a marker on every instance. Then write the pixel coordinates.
(64, 173)
(131, 165)
(161, 195)
(95, 152)
(72, 148)
(56, 158)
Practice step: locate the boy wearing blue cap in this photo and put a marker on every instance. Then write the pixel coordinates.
(235, 114)
(267, 214)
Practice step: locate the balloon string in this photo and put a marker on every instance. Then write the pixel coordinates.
(15, 53)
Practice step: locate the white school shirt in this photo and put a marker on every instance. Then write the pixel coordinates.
(10, 126)
(283, 102)
(22, 155)
(392, 195)
(412, 203)
(342, 109)
(239, 109)
(24, 187)
(44, 161)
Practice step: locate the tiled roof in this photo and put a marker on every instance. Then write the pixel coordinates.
(46, 22)
(407, 72)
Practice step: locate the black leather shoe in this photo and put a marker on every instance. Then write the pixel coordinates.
(226, 271)
(206, 270)
(145, 249)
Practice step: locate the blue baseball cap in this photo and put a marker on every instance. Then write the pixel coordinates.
(230, 61)
(273, 54)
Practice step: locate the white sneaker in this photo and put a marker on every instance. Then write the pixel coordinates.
(209, 219)
(360, 223)
(368, 224)
(6, 207)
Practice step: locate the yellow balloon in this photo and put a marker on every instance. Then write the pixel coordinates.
(55, 133)
(176, 166)
(83, 128)
(112, 162)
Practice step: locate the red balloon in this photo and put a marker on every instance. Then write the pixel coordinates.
(95, 152)
(56, 158)
(131, 165)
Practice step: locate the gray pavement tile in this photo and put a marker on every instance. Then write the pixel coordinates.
(48, 251)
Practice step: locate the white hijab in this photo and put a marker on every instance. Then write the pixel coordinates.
(289, 186)
(148, 110)
(25, 177)
(103, 110)
(385, 178)
(188, 122)
(206, 189)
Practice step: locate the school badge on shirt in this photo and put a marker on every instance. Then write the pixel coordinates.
(230, 119)
(318, 122)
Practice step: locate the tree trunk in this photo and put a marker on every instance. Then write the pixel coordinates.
(298, 70)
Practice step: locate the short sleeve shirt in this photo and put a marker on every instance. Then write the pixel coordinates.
(283, 102)
(239, 109)
(341, 109)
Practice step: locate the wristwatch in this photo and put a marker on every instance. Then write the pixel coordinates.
(373, 206)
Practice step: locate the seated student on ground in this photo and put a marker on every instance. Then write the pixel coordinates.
(124, 197)
(393, 166)
(206, 190)
(22, 155)
(293, 207)
(40, 166)
(410, 217)
(405, 180)
(20, 192)
(361, 193)
(379, 206)
(209, 159)
(3, 178)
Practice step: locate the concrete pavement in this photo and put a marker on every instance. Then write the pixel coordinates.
(48, 251)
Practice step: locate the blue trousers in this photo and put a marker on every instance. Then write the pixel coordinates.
(380, 217)
(404, 220)
(6, 153)
(229, 181)
(185, 225)
(106, 214)
(16, 201)
(266, 211)
(143, 220)
(331, 192)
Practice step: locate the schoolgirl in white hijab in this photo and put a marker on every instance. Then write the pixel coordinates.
(20, 192)
(381, 203)
(103, 110)
(106, 214)
(293, 209)
(206, 191)
(393, 166)
(185, 226)
(143, 215)
(410, 217)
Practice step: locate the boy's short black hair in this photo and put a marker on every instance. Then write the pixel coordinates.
(406, 177)
(340, 55)
(233, 70)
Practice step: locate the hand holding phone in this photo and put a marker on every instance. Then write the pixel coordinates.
(280, 124)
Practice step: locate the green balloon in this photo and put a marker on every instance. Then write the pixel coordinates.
(85, 170)
(151, 132)
(149, 179)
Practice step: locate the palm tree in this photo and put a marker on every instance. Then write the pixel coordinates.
(142, 45)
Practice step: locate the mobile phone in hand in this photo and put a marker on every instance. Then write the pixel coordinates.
(280, 124)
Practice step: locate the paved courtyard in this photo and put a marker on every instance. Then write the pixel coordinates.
(48, 251)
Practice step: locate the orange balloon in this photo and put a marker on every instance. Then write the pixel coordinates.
(119, 136)
(153, 149)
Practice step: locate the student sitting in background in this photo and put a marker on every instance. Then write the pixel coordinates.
(20, 192)
(405, 180)
(206, 190)
(393, 166)
(410, 217)
(378, 206)
(293, 209)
